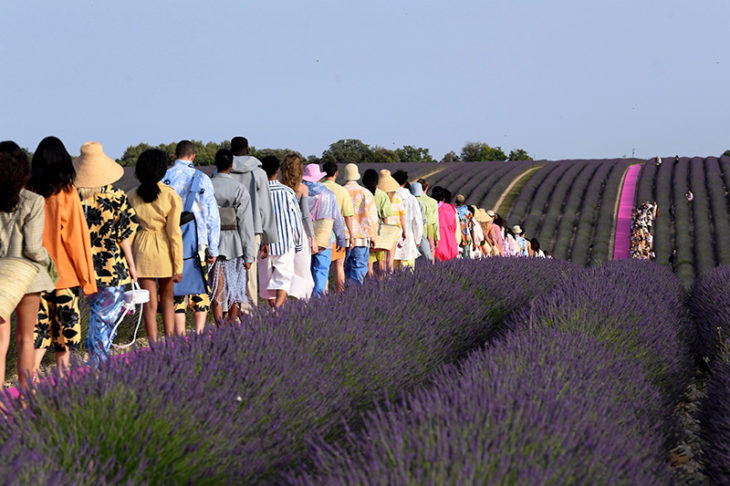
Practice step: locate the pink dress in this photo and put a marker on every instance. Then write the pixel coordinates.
(446, 249)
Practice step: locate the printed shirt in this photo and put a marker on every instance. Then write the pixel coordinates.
(382, 203)
(343, 198)
(205, 207)
(365, 221)
(288, 219)
(323, 205)
(111, 220)
(399, 209)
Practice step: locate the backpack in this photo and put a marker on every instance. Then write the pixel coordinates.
(193, 277)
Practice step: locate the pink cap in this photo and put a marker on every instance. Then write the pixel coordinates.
(312, 173)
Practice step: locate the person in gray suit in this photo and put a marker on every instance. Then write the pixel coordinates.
(237, 247)
(247, 170)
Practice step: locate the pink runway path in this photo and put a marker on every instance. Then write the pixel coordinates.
(623, 221)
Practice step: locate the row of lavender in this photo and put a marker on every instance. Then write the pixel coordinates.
(578, 390)
(710, 307)
(242, 404)
(696, 229)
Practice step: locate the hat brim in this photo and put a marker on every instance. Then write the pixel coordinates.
(97, 172)
(388, 184)
(316, 177)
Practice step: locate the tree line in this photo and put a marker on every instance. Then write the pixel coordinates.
(345, 151)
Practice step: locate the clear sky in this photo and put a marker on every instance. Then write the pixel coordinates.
(561, 79)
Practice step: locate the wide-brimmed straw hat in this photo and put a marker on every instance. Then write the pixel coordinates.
(460, 200)
(491, 214)
(516, 229)
(312, 173)
(351, 173)
(386, 182)
(94, 168)
(480, 216)
(417, 189)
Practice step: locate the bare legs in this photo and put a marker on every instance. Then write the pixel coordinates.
(26, 314)
(165, 303)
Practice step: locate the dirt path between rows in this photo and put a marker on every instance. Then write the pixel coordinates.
(428, 174)
(512, 184)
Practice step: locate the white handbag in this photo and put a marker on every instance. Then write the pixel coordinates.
(135, 296)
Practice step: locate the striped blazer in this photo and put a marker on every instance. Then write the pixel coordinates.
(288, 218)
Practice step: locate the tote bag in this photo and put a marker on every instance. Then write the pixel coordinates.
(193, 278)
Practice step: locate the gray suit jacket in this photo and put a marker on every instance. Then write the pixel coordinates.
(21, 236)
(240, 243)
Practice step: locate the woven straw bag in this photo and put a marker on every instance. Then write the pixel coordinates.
(323, 231)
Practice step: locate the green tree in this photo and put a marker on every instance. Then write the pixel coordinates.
(132, 153)
(726, 153)
(451, 157)
(382, 155)
(279, 153)
(479, 152)
(313, 159)
(519, 154)
(410, 153)
(347, 151)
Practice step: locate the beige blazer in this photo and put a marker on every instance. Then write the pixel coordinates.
(21, 236)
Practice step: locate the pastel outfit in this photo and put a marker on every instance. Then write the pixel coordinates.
(447, 247)
(111, 220)
(385, 210)
(407, 249)
(364, 228)
(276, 272)
(157, 246)
(66, 237)
(323, 205)
(21, 236)
(344, 202)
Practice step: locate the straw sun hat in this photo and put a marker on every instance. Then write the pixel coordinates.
(481, 216)
(94, 168)
(386, 182)
(516, 229)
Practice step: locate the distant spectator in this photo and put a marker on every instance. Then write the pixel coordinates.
(658, 161)
(690, 197)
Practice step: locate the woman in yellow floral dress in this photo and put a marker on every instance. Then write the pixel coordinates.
(112, 223)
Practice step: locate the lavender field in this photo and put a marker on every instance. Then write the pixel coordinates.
(545, 373)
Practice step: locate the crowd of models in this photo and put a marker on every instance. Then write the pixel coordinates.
(642, 224)
(256, 229)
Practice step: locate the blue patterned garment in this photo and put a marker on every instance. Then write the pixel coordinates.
(205, 208)
(106, 307)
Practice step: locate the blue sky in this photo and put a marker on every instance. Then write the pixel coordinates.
(561, 79)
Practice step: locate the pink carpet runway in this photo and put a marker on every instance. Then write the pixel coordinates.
(623, 221)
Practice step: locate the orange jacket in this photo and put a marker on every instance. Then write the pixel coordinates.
(66, 237)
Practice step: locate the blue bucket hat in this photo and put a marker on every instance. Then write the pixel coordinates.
(417, 189)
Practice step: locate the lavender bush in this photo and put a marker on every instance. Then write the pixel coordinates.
(636, 306)
(710, 309)
(239, 404)
(578, 390)
(547, 407)
(714, 419)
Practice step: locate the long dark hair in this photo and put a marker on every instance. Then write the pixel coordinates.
(52, 170)
(14, 173)
(370, 180)
(150, 169)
